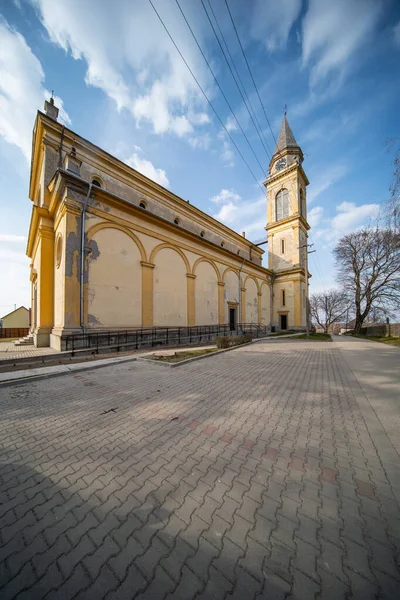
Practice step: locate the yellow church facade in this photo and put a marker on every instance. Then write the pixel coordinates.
(112, 250)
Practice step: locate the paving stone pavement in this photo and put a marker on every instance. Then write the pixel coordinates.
(248, 475)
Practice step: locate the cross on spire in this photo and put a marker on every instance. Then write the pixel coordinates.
(285, 109)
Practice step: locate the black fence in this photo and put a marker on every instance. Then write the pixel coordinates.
(157, 336)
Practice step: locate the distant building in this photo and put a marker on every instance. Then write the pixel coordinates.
(16, 318)
(147, 257)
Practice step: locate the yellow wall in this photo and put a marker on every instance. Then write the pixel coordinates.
(18, 318)
(251, 310)
(114, 280)
(170, 288)
(206, 294)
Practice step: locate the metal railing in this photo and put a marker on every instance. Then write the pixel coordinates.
(142, 337)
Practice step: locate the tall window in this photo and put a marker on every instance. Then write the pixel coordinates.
(283, 298)
(302, 204)
(282, 246)
(282, 205)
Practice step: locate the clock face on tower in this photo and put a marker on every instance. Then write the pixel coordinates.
(281, 164)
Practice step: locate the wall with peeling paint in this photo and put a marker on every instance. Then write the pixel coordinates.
(59, 275)
(265, 304)
(114, 280)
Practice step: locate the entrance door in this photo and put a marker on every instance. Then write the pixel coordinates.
(232, 318)
(283, 321)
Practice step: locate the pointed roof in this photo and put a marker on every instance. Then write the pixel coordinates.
(286, 138)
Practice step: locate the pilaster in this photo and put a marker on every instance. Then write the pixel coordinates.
(221, 307)
(147, 293)
(190, 299)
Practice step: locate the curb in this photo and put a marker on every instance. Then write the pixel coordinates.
(64, 370)
(60, 370)
(194, 358)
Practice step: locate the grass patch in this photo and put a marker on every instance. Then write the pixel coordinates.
(286, 332)
(391, 341)
(315, 337)
(184, 355)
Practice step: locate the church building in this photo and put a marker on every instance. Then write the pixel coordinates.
(111, 249)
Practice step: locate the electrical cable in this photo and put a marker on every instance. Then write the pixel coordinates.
(246, 100)
(249, 69)
(220, 88)
(205, 95)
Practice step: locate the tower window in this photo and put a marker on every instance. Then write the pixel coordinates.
(96, 182)
(283, 298)
(142, 204)
(302, 204)
(177, 221)
(282, 246)
(202, 233)
(282, 205)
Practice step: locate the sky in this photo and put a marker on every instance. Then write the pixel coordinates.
(120, 82)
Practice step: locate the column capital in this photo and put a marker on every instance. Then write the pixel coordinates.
(147, 264)
(221, 283)
(190, 276)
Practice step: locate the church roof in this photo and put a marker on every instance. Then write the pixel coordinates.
(286, 137)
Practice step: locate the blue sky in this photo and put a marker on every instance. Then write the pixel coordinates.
(121, 84)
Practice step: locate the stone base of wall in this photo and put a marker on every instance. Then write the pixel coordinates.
(391, 330)
(104, 341)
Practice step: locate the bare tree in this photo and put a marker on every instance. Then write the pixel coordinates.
(328, 308)
(392, 209)
(368, 264)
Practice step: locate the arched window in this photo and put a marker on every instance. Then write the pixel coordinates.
(177, 221)
(282, 205)
(143, 204)
(302, 204)
(96, 182)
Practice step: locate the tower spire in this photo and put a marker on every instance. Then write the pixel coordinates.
(286, 138)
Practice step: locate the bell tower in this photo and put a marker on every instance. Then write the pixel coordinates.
(287, 229)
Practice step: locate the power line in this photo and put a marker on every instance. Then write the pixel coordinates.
(205, 95)
(249, 69)
(245, 100)
(220, 88)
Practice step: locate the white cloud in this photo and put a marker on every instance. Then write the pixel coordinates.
(131, 58)
(21, 89)
(241, 215)
(225, 197)
(148, 169)
(201, 142)
(325, 179)
(10, 238)
(315, 215)
(349, 217)
(334, 31)
(396, 33)
(231, 124)
(272, 21)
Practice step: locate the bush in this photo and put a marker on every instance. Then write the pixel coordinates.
(227, 341)
(222, 341)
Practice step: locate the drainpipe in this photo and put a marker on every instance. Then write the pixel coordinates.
(271, 307)
(240, 290)
(83, 254)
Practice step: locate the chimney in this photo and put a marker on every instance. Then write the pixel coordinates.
(72, 163)
(243, 234)
(50, 109)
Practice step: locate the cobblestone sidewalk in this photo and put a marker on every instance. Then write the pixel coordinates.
(247, 475)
